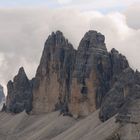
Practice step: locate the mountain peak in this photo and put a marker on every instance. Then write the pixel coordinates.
(21, 74)
(58, 32)
(57, 39)
(114, 51)
(21, 71)
(94, 35)
(93, 39)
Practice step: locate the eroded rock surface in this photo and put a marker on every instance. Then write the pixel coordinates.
(122, 98)
(91, 75)
(53, 79)
(19, 96)
(117, 95)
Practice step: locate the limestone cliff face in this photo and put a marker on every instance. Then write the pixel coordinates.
(91, 74)
(19, 96)
(117, 95)
(121, 82)
(54, 75)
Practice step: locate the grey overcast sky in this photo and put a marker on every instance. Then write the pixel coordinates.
(26, 24)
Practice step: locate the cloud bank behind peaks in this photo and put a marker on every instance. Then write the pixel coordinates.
(24, 31)
(133, 16)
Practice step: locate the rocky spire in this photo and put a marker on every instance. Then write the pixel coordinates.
(91, 74)
(56, 39)
(19, 96)
(54, 74)
(118, 64)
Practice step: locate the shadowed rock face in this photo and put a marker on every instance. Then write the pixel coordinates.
(117, 95)
(121, 83)
(19, 96)
(130, 111)
(2, 96)
(123, 98)
(118, 64)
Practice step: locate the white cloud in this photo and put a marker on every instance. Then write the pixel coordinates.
(64, 1)
(24, 31)
(102, 5)
(133, 16)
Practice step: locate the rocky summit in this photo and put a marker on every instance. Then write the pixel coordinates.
(88, 82)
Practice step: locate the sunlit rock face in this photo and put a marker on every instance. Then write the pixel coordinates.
(53, 79)
(91, 75)
(19, 96)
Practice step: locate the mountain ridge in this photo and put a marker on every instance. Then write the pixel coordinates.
(77, 82)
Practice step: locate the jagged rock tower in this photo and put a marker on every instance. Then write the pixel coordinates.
(54, 75)
(19, 96)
